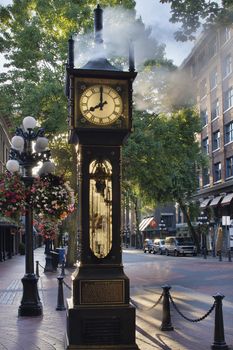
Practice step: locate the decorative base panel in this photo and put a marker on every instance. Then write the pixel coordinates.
(107, 327)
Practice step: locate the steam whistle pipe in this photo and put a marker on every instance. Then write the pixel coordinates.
(131, 57)
(98, 24)
(71, 53)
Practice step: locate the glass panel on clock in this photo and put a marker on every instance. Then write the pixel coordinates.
(100, 207)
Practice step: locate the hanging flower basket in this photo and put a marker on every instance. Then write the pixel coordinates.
(52, 197)
(47, 228)
(12, 195)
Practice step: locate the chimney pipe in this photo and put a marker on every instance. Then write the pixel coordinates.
(131, 57)
(98, 24)
(71, 53)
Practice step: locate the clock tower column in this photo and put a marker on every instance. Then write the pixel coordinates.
(99, 313)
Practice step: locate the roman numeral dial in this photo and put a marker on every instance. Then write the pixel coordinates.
(101, 104)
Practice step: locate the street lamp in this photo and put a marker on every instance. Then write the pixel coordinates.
(24, 158)
(162, 227)
(203, 221)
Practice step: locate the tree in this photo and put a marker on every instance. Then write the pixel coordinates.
(167, 155)
(33, 38)
(193, 14)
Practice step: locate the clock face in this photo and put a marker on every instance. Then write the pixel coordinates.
(101, 104)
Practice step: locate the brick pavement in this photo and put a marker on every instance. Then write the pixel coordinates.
(47, 332)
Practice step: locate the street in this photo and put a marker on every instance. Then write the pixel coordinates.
(206, 276)
(193, 281)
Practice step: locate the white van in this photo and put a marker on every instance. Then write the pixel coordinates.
(179, 246)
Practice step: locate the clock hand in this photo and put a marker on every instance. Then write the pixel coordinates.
(93, 108)
(101, 97)
(100, 106)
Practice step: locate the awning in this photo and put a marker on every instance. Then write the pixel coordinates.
(204, 204)
(227, 199)
(145, 223)
(215, 201)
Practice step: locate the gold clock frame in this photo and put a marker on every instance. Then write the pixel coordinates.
(122, 88)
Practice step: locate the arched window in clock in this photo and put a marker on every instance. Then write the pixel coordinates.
(100, 207)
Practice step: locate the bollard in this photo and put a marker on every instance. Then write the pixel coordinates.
(204, 253)
(48, 264)
(220, 255)
(63, 268)
(166, 321)
(60, 295)
(37, 269)
(229, 255)
(219, 338)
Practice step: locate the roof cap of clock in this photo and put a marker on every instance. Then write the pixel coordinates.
(100, 62)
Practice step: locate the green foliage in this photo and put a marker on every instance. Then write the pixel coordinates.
(167, 155)
(33, 38)
(192, 13)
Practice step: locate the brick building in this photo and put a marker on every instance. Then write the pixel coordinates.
(210, 65)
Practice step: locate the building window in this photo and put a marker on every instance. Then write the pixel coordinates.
(204, 117)
(215, 109)
(227, 65)
(228, 98)
(229, 167)
(193, 70)
(226, 34)
(205, 145)
(213, 79)
(213, 47)
(229, 132)
(201, 59)
(217, 172)
(203, 88)
(216, 140)
(206, 176)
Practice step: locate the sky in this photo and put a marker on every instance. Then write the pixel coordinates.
(155, 15)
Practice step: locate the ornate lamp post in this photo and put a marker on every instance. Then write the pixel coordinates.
(162, 227)
(203, 222)
(23, 158)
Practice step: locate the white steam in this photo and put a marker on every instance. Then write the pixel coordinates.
(155, 90)
(160, 91)
(119, 28)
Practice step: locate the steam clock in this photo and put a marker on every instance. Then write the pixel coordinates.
(99, 314)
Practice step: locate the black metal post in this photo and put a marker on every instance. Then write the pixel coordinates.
(60, 295)
(229, 255)
(30, 303)
(22, 152)
(166, 321)
(63, 268)
(220, 255)
(37, 269)
(219, 338)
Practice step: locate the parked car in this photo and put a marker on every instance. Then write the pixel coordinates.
(148, 246)
(159, 246)
(179, 246)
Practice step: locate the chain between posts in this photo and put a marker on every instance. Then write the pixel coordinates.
(41, 265)
(67, 286)
(189, 319)
(147, 309)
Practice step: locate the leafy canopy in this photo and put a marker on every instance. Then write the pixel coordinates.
(193, 13)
